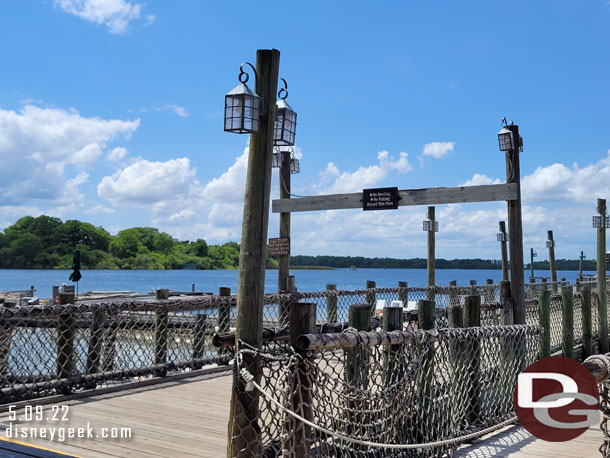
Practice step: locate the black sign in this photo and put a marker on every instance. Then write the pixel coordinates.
(380, 199)
(279, 246)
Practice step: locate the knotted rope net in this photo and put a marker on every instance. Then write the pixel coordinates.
(380, 394)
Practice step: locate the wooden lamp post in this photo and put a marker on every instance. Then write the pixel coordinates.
(511, 143)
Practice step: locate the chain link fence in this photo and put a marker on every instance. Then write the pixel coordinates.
(376, 394)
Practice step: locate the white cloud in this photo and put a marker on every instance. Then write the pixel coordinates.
(118, 153)
(177, 109)
(438, 149)
(332, 181)
(480, 179)
(99, 209)
(114, 14)
(145, 183)
(39, 146)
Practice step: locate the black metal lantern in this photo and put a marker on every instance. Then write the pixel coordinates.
(277, 159)
(242, 106)
(430, 226)
(295, 166)
(550, 244)
(600, 222)
(285, 119)
(506, 140)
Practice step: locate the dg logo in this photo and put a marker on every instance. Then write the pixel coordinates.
(556, 399)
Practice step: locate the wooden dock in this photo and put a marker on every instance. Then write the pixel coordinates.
(188, 418)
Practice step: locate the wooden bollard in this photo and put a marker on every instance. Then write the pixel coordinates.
(426, 318)
(567, 322)
(457, 406)
(6, 337)
(161, 331)
(392, 321)
(355, 371)
(370, 296)
(331, 305)
(506, 304)
(162, 294)
(96, 339)
(473, 287)
(224, 310)
(201, 323)
(544, 315)
(403, 293)
(66, 328)
(302, 321)
(472, 318)
(453, 294)
(489, 291)
(545, 285)
(109, 344)
(587, 319)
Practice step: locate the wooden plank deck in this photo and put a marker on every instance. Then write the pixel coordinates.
(188, 418)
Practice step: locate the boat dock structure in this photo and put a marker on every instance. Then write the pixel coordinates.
(330, 378)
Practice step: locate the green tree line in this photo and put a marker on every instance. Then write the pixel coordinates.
(46, 242)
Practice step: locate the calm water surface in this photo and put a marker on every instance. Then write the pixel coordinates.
(210, 280)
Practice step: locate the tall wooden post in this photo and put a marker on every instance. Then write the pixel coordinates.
(550, 243)
(504, 251)
(284, 260)
(567, 322)
(66, 329)
(431, 252)
(582, 257)
(544, 317)
(332, 315)
(515, 229)
(532, 274)
(602, 308)
(243, 432)
(587, 334)
(472, 318)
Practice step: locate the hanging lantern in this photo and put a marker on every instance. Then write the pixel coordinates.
(430, 226)
(242, 106)
(501, 236)
(276, 161)
(295, 166)
(285, 119)
(505, 138)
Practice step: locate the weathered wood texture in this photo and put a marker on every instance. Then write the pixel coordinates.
(430, 261)
(284, 260)
(552, 266)
(252, 257)
(504, 251)
(407, 197)
(602, 307)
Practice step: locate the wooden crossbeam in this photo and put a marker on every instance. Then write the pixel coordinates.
(408, 197)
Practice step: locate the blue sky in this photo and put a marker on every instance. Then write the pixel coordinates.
(110, 112)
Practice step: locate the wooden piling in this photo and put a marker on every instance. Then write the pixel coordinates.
(161, 331)
(431, 261)
(426, 317)
(224, 310)
(602, 306)
(243, 430)
(544, 317)
(370, 296)
(201, 324)
(392, 369)
(356, 365)
(587, 334)
(66, 328)
(567, 322)
(472, 318)
(458, 355)
(96, 339)
(302, 321)
(162, 294)
(6, 337)
(109, 344)
(284, 260)
(473, 287)
(552, 267)
(403, 293)
(332, 315)
(504, 251)
(453, 294)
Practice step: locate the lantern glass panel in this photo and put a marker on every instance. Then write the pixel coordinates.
(242, 110)
(427, 225)
(505, 138)
(500, 237)
(436, 226)
(295, 166)
(285, 124)
(550, 244)
(277, 160)
(597, 221)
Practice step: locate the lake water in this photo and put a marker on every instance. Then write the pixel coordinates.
(210, 280)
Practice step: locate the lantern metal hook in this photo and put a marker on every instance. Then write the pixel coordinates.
(283, 90)
(242, 72)
(503, 121)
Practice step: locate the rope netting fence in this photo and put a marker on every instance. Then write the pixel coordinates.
(381, 394)
(49, 349)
